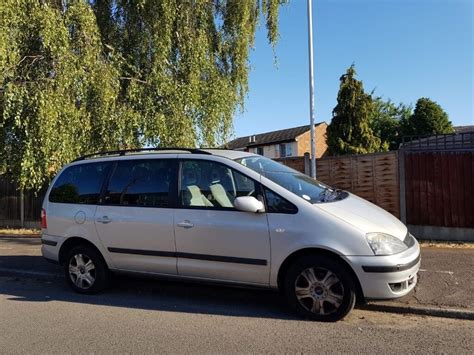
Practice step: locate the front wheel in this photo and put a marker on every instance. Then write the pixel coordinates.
(86, 270)
(320, 288)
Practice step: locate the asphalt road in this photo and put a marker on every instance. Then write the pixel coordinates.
(39, 314)
(46, 317)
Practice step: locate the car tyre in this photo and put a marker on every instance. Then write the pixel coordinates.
(85, 270)
(320, 288)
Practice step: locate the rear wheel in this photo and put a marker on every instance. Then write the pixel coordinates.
(85, 270)
(320, 288)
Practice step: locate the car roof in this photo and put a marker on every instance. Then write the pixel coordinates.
(225, 153)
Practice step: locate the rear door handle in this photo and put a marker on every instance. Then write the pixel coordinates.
(185, 224)
(104, 220)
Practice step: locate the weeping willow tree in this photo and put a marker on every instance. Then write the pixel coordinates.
(79, 76)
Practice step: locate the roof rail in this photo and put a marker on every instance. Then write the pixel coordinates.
(123, 152)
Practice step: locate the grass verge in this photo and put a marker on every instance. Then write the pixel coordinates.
(19, 231)
(442, 244)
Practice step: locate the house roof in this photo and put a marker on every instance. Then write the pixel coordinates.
(273, 137)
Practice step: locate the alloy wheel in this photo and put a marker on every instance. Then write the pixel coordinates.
(319, 290)
(82, 271)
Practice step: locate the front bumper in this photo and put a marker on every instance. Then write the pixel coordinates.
(387, 277)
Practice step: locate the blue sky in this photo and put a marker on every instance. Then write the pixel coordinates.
(404, 49)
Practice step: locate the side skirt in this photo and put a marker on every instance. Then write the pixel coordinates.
(191, 279)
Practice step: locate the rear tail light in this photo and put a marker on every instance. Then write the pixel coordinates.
(44, 225)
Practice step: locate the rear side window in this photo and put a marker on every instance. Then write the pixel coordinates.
(145, 183)
(79, 184)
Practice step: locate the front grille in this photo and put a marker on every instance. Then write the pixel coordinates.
(409, 240)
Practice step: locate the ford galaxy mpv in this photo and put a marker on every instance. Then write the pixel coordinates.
(224, 216)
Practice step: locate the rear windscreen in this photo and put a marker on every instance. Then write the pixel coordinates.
(79, 184)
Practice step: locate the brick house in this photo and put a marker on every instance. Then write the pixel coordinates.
(284, 143)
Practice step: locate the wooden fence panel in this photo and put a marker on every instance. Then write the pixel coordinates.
(296, 163)
(373, 177)
(10, 203)
(386, 182)
(323, 170)
(340, 169)
(363, 177)
(440, 188)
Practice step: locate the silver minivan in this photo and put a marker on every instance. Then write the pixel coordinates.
(224, 216)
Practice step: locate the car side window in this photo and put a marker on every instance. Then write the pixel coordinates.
(208, 184)
(277, 204)
(141, 183)
(79, 184)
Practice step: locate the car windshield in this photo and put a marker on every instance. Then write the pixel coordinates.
(300, 184)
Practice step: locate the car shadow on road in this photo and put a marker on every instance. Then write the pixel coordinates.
(148, 294)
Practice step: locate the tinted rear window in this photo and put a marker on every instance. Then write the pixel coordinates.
(79, 184)
(146, 183)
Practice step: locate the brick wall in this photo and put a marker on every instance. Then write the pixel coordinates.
(304, 141)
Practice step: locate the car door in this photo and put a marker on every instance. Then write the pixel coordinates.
(213, 239)
(135, 219)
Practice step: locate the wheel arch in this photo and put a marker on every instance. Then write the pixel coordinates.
(313, 251)
(73, 242)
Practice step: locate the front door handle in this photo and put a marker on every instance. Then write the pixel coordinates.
(185, 224)
(104, 220)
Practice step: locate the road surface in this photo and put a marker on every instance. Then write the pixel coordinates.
(41, 315)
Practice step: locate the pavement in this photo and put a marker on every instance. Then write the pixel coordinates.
(445, 287)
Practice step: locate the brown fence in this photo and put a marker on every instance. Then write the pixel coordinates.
(11, 205)
(432, 191)
(440, 188)
(370, 176)
(373, 177)
(297, 163)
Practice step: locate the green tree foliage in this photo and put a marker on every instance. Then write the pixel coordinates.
(349, 131)
(84, 75)
(386, 122)
(428, 118)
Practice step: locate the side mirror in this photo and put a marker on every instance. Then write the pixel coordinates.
(248, 204)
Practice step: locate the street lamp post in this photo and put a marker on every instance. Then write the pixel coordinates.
(311, 88)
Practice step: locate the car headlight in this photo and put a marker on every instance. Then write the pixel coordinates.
(385, 244)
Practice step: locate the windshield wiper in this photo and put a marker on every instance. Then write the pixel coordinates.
(330, 194)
